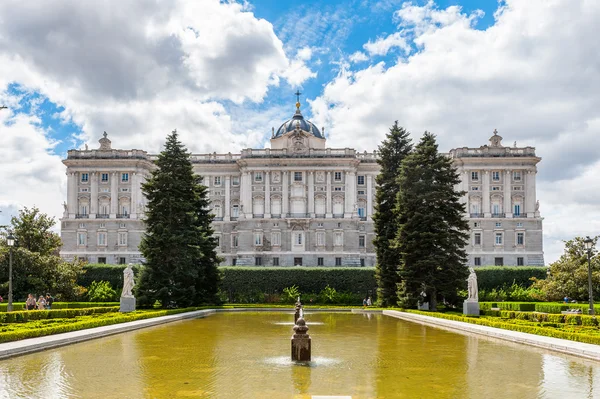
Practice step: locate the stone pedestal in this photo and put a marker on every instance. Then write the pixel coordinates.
(471, 308)
(301, 350)
(127, 304)
(424, 306)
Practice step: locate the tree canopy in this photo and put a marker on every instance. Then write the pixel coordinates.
(178, 245)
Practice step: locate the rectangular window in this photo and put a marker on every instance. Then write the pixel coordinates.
(496, 175)
(102, 260)
(233, 262)
(258, 176)
(104, 177)
(101, 239)
(82, 225)
(517, 211)
(517, 188)
(124, 177)
(319, 261)
(498, 224)
(498, 239)
(520, 238)
(121, 225)
(104, 190)
(338, 239)
(297, 176)
(361, 212)
(85, 177)
(360, 180)
(337, 189)
(299, 238)
(475, 188)
(496, 209)
(337, 176)
(235, 180)
(475, 176)
(297, 261)
(496, 188)
(124, 189)
(361, 192)
(102, 225)
(258, 261)
(258, 239)
(338, 261)
(217, 180)
(362, 262)
(476, 224)
(520, 224)
(498, 261)
(234, 241)
(520, 261)
(477, 239)
(517, 175)
(477, 261)
(235, 211)
(320, 238)
(122, 261)
(275, 261)
(84, 190)
(81, 238)
(361, 241)
(276, 239)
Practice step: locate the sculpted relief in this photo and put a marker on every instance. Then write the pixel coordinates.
(320, 177)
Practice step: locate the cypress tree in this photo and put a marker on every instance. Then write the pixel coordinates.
(179, 247)
(392, 151)
(432, 229)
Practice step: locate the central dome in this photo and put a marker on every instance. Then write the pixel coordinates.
(298, 121)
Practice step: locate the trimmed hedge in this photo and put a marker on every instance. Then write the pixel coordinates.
(63, 305)
(237, 279)
(27, 315)
(101, 272)
(85, 324)
(531, 329)
(517, 306)
(490, 277)
(544, 307)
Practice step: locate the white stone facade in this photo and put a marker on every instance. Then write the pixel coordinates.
(297, 203)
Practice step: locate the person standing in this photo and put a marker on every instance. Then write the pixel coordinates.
(49, 302)
(364, 302)
(369, 302)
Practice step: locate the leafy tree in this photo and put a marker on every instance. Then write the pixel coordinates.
(392, 151)
(101, 291)
(37, 266)
(179, 247)
(568, 276)
(432, 230)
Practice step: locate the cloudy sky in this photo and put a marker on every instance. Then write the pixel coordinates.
(223, 73)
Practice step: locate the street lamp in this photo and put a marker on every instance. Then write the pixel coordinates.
(589, 243)
(10, 241)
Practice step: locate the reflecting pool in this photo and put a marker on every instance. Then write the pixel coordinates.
(246, 355)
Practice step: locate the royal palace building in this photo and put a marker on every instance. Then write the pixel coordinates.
(297, 203)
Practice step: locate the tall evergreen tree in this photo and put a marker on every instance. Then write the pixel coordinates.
(432, 229)
(179, 247)
(392, 151)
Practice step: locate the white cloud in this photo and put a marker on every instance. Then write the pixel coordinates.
(381, 46)
(358, 56)
(298, 72)
(534, 82)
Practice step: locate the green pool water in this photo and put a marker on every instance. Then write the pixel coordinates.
(246, 355)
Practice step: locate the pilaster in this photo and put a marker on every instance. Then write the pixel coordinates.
(93, 194)
(114, 194)
(311, 193)
(486, 194)
(369, 209)
(267, 210)
(285, 193)
(328, 205)
(227, 205)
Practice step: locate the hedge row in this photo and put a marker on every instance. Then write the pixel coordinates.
(63, 305)
(101, 272)
(571, 319)
(307, 279)
(490, 277)
(84, 324)
(543, 307)
(531, 329)
(27, 315)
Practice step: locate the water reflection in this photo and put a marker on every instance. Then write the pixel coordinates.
(246, 355)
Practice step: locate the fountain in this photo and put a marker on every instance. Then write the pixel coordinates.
(301, 340)
(298, 308)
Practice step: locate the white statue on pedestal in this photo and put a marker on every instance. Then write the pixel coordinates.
(472, 286)
(127, 282)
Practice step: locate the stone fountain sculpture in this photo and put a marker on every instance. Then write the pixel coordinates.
(471, 305)
(298, 309)
(301, 350)
(127, 298)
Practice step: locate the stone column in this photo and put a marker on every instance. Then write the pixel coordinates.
(227, 205)
(507, 196)
(267, 210)
(369, 210)
(72, 194)
(311, 193)
(328, 205)
(93, 194)
(114, 194)
(285, 194)
(134, 195)
(350, 194)
(530, 195)
(487, 212)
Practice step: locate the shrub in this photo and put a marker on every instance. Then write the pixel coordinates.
(490, 277)
(101, 291)
(64, 305)
(517, 306)
(328, 295)
(28, 315)
(290, 294)
(101, 272)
